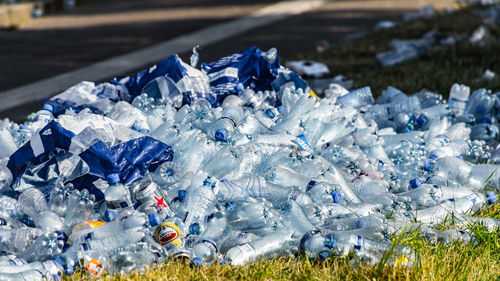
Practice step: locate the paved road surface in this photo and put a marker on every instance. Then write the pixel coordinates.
(103, 29)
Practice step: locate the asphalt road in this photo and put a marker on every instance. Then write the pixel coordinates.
(102, 29)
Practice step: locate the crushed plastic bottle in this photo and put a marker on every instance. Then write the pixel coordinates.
(238, 163)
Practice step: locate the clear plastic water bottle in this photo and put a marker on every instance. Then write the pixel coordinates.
(256, 216)
(80, 207)
(117, 197)
(7, 144)
(197, 205)
(34, 204)
(225, 127)
(266, 247)
(205, 251)
(46, 246)
(18, 239)
(459, 95)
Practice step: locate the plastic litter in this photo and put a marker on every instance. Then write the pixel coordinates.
(308, 68)
(239, 162)
(404, 50)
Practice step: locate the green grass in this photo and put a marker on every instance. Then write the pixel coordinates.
(437, 70)
(434, 261)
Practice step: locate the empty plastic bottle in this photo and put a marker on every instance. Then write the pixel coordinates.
(117, 197)
(34, 204)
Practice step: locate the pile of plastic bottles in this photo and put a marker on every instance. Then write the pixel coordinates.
(237, 161)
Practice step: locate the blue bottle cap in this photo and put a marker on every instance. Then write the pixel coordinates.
(195, 229)
(223, 262)
(181, 194)
(113, 178)
(280, 109)
(23, 127)
(362, 222)
(197, 262)
(336, 196)
(427, 165)
(421, 120)
(48, 107)
(491, 197)
(460, 157)
(415, 183)
(154, 219)
(324, 255)
(67, 268)
(270, 113)
(239, 87)
(220, 135)
(310, 185)
(61, 236)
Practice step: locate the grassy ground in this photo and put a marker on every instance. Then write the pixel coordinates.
(474, 261)
(437, 70)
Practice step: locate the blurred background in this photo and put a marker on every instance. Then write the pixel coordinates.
(43, 39)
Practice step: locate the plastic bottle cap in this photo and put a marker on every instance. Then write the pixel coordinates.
(195, 229)
(460, 157)
(113, 178)
(23, 127)
(198, 261)
(324, 255)
(421, 119)
(270, 113)
(154, 219)
(62, 236)
(239, 87)
(223, 262)
(427, 165)
(433, 157)
(415, 183)
(67, 268)
(181, 194)
(220, 135)
(491, 197)
(48, 107)
(336, 196)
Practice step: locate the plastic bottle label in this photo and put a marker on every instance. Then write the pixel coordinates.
(226, 72)
(303, 144)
